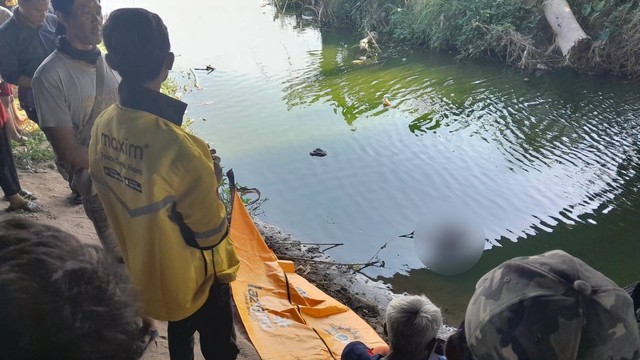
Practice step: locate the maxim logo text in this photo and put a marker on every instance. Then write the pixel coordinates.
(123, 146)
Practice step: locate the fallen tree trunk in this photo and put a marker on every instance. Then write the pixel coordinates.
(574, 43)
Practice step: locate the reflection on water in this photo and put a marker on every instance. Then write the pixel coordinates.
(546, 162)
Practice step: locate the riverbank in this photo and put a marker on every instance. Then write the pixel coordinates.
(365, 297)
(592, 36)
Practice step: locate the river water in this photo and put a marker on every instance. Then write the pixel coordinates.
(543, 161)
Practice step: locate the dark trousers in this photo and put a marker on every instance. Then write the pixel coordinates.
(30, 111)
(214, 322)
(8, 174)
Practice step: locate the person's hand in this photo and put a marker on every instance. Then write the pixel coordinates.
(217, 169)
(381, 350)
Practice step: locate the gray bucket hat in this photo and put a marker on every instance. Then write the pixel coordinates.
(550, 306)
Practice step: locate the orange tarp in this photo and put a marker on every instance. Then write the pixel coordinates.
(287, 317)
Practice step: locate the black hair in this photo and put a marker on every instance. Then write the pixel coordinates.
(456, 347)
(62, 298)
(63, 6)
(137, 43)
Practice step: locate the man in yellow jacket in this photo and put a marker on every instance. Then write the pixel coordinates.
(159, 188)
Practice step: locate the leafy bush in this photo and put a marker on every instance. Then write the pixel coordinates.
(461, 25)
(515, 31)
(615, 27)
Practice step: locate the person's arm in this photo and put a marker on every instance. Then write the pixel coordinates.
(23, 81)
(199, 205)
(9, 63)
(55, 121)
(64, 144)
(356, 350)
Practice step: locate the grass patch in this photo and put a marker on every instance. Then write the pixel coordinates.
(35, 153)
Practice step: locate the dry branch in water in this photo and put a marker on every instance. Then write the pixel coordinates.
(519, 49)
(357, 267)
(329, 245)
(209, 69)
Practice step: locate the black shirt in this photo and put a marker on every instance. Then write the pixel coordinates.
(23, 47)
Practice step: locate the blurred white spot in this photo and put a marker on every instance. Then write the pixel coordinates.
(448, 242)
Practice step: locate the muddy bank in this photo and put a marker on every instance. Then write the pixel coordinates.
(366, 297)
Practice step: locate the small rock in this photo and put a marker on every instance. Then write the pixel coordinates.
(318, 152)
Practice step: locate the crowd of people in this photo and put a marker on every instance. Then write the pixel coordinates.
(151, 191)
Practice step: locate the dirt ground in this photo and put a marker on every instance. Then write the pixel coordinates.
(363, 297)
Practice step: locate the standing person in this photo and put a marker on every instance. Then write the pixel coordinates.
(71, 87)
(25, 41)
(13, 121)
(6, 94)
(158, 185)
(19, 199)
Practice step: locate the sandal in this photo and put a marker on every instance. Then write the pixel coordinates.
(75, 198)
(25, 194)
(28, 195)
(26, 206)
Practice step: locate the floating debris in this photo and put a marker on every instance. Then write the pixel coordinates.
(209, 69)
(318, 152)
(386, 102)
(369, 50)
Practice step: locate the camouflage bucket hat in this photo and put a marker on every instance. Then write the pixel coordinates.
(550, 306)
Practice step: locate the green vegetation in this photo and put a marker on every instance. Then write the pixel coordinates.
(34, 153)
(615, 27)
(514, 31)
(473, 28)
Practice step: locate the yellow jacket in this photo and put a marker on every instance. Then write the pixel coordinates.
(159, 190)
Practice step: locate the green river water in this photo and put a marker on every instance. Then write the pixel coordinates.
(543, 161)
